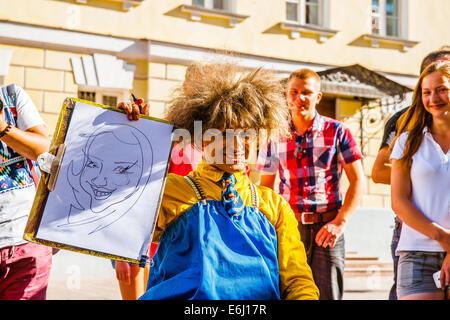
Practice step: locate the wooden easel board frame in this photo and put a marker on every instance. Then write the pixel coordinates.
(43, 192)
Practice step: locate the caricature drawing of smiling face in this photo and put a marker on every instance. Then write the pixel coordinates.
(112, 171)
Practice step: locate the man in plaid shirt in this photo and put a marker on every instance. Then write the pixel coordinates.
(310, 164)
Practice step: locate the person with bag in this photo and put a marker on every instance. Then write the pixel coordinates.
(24, 266)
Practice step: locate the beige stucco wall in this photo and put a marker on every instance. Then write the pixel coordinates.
(157, 85)
(47, 75)
(259, 34)
(48, 78)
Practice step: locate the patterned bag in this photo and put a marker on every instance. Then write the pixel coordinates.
(16, 171)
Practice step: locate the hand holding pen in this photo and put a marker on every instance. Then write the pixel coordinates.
(135, 108)
(137, 101)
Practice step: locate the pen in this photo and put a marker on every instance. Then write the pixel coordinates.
(136, 101)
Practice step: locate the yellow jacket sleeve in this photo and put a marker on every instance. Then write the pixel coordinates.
(178, 197)
(296, 279)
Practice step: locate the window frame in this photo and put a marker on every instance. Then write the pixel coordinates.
(301, 13)
(383, 18)
(298, 28)
(197, 12)
(228, 5)
(126, 4)
(119, 94)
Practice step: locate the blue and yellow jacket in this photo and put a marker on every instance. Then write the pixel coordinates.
(204, 253)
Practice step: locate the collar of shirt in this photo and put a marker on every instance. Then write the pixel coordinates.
(209, 172)
(317, 125)
(445, 158)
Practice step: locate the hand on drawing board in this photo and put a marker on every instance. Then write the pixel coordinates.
(132, 109)
(109, 181)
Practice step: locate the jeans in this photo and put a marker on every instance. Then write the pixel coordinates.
(327, 264)
(25, 272)
(415, 272)
(394, 244)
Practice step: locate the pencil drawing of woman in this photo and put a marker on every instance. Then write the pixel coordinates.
(117, 162)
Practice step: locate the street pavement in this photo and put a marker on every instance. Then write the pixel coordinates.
(108, 289)
(77, 276)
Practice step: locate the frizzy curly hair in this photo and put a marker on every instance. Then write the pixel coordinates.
(226, 96)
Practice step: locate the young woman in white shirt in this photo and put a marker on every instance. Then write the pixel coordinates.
(420, 190)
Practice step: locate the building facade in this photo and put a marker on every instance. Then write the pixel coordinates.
(367, 52)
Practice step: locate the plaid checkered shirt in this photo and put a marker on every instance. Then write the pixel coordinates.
(310, 165)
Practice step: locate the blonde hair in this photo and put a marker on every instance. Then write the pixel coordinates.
(226, 96)
(416, 118)
(304, 74)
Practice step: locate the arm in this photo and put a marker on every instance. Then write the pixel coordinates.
(335, 228)
(267, 164)
(267, 180)
(29, 143)
(123, 272)
(381, 171)
(401, 202)
(296, 280)
(445, 274)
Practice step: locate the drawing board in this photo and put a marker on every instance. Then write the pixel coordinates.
(109, 186)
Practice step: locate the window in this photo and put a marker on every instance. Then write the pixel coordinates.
(392, 18)
(107, 99)
(385, 18)
(213, 4)
(216, 9)
(110, 101)
(306, 12)
(292, 8)
(102, 78)
(308, 17)
(87, 95)
(389, 24)
(312, 12)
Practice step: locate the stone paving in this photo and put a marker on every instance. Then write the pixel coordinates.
(77, 276)
(362, 285)
(108, 289)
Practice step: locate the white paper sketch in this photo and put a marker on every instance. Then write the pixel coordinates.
(111, 176)
(111, 180)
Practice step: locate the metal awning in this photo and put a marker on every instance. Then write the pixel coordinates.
(356, 80)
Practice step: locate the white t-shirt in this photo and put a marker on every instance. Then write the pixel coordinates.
(15, 205)
(430, 179)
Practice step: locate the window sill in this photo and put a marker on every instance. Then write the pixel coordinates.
(297, 29)
(377, 41)
(198, 12)
(126, 4)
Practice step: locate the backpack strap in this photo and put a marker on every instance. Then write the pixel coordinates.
(9, 95)
(197, 189)
(255, 198)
